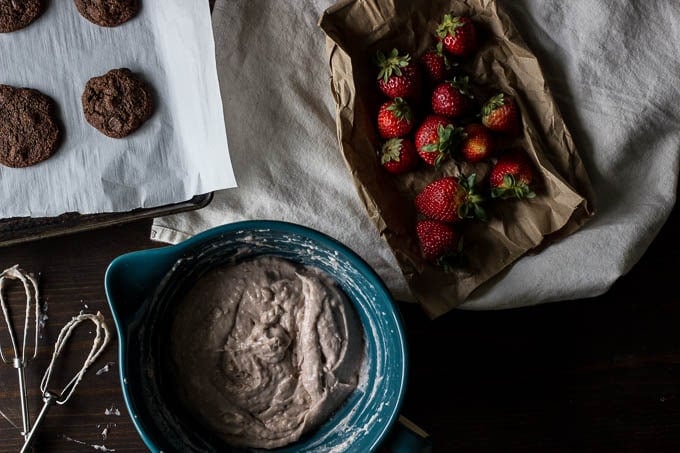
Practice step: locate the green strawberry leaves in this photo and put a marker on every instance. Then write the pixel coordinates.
(449, 139)
(462, 84)
(472, 207)
(453, 260)
(448, 26)
(493, 104)
(391, 64)
(400, 109)
(511, 188)
(391, 151)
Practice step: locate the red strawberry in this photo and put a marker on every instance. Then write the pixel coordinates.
(395, 118)
(452, 98)
(398, 155)
(458, 34)
(436, 139)
(439, 242)
(500, 114)
(478, 143)
(437, 67)
(511, 177)
(450, 199)
(399, 77)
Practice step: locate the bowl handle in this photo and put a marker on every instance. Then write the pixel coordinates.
(131, 278)
(406, 437)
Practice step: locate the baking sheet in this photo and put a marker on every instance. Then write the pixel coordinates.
(181, 151)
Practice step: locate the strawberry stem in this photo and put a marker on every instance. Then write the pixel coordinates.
(472, 207)
(449, 138)
(493, 104)
(511, 188)
(448, 26)
(449, 262)
(462, 84)
(391, 64)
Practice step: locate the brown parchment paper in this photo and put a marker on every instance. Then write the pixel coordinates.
(355, 30)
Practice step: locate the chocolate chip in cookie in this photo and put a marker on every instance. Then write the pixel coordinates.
(117, 103)
(107, 13)
(29, 130)
(17, 14)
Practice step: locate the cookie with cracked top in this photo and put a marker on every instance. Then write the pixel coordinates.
(117, 103)
(17, 14)
(108, 13)
(29, 129)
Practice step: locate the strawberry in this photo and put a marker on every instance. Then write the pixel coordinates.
(512, 177)
(452, 98)
(478, 143)
(399, 77)
(436, 65)
(451, 199)
(398, 155)
(500, 114)
(436, 139)
(458, 34)
(395, 118)
(439, 242)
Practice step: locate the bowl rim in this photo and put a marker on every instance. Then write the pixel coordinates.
(258, 225)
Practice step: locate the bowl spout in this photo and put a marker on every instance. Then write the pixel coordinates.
(132, 278)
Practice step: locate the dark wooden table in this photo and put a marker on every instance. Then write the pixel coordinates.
(597, 374)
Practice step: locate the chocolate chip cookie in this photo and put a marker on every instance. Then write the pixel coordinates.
(107, 13)
(29, 130)
(17, 14)
(117, 103)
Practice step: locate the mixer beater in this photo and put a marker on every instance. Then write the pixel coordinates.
(18, 357)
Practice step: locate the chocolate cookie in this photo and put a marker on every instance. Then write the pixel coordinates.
(17, 14)
(117, 103)
(107, 13)
(29, 131)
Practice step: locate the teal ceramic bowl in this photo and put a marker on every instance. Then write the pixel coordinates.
(141, 287)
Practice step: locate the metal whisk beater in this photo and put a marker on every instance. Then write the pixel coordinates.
(18, 359)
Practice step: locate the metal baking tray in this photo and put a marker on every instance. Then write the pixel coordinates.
(25, 229)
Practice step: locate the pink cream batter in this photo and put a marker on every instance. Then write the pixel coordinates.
(265, 351)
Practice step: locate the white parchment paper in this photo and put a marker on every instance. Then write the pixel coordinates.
(181, 151)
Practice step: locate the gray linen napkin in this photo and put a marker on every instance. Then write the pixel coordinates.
(614, 70)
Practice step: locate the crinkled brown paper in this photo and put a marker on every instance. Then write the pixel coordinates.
(355, 30)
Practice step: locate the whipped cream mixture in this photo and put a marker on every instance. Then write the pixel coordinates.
(265, 351)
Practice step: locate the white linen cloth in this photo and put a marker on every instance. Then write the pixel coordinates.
(613, 67)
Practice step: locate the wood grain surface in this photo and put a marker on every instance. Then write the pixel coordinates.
(596, 374)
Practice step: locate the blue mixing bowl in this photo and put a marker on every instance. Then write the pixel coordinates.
(141, 288)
